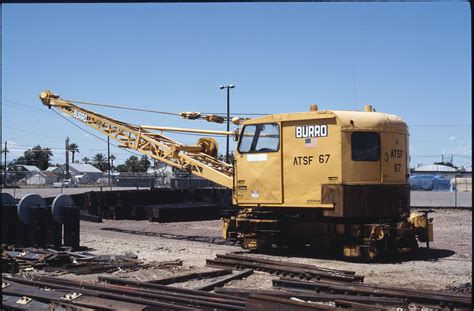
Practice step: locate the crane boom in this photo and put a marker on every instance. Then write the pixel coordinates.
(196, 159)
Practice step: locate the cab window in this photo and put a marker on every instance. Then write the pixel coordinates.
(260, 138)
(365, 146)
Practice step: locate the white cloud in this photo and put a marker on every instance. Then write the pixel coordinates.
(452, 138)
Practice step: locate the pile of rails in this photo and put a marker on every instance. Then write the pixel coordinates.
(300, 287)
(160, 205)
(16, 260)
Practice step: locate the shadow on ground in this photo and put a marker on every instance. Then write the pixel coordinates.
(419, 254)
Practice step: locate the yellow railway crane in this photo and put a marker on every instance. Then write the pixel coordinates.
(332, 180)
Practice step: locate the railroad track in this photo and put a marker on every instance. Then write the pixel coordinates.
(311, 288)
(193, 238)
(281, 268)
(430, 299)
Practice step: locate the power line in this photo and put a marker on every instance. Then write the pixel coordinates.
(28, 132)
(15, 104)
(440, 125)
(438, 155)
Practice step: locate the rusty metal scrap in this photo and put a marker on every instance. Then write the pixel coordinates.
(191, 276)
(210, 286)
(61, 262)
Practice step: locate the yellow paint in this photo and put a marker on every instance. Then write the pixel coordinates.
(295, 173)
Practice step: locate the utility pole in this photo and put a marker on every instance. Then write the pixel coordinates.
(5, 165)
(228, 87)
(67, 157)
(108, 159)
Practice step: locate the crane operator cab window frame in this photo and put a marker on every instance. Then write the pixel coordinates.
(365, 146)
(260, 138)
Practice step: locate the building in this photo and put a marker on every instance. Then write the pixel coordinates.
(55, 169)
(82, 173)
(20, 172)
(26, 168)
(445, 171)
(41, 178)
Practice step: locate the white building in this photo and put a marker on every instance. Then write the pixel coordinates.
(55, 169)
(27, 168)
(443, 170)
(41, 178)
(82, 173)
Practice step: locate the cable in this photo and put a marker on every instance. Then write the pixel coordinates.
(155, 111)
(124, 108)
(237, 114)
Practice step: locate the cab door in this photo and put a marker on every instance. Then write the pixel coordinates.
(394, 158)
(258, 167)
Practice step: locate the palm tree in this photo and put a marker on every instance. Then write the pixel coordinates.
(100, 161)
(73, 148)
(86, 160)
(112, 158)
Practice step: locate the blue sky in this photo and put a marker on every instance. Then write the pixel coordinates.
(410, 59)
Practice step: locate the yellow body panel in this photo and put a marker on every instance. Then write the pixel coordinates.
(253, 184)
(394, 158)
(294, 175)
(357, 172)
(309, 162)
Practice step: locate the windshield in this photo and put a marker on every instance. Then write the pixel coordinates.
(260, 138)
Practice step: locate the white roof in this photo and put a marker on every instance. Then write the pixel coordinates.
(436, 168)
(31, 168)
(44, 173)
(85, 168)
(52, 168)
(163, 169)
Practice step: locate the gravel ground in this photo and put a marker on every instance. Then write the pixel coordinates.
(447, 263)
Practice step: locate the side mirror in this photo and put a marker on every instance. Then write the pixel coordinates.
(235, 137)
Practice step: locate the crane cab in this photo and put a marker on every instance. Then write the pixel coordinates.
(343, 163)
(330, 179)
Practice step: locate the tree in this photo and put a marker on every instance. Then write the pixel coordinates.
(36, 156)
(100, 161)
(73, 148)
(144, 163)
(86, 160)
(133, 164)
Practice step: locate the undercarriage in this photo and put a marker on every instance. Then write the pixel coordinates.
(367, 238)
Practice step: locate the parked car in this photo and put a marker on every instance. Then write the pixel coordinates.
(66, 183)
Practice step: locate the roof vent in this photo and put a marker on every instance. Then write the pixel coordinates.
(368, 108)
(313, 108)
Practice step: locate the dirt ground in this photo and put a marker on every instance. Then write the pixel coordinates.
(447, 263)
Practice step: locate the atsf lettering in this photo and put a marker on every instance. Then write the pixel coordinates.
(396, 153)
(303, 160)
